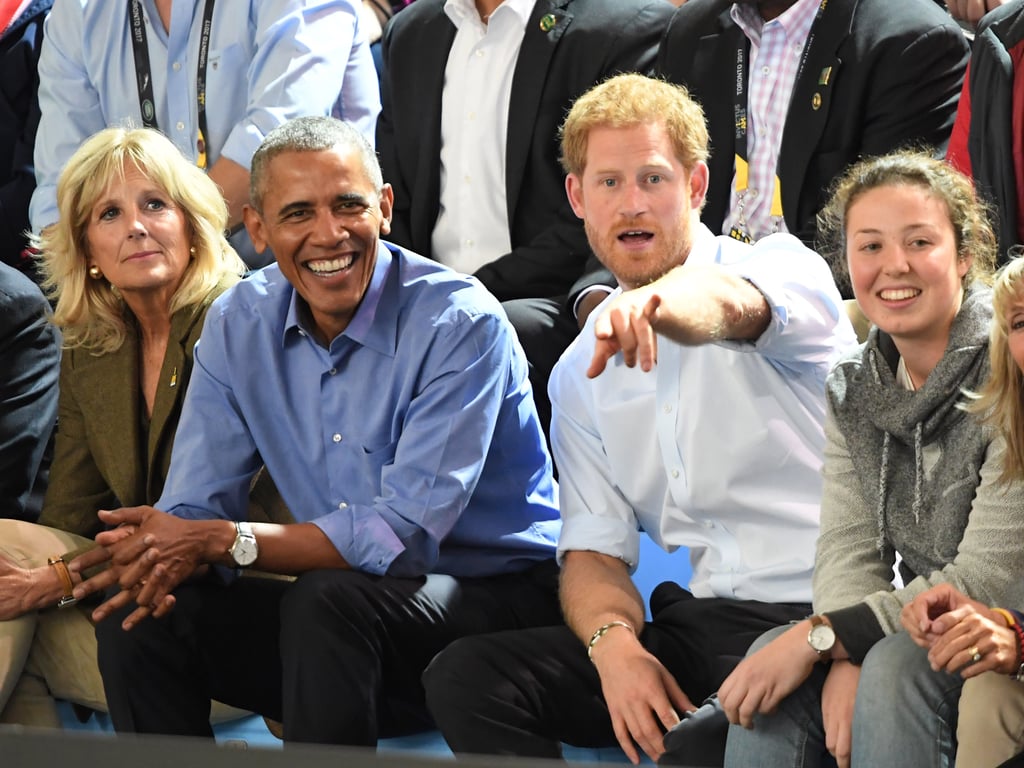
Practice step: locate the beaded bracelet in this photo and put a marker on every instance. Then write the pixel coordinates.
(1017, 625)
(601, 632)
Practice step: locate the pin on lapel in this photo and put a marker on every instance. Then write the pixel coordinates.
(825, 76)
(816, 101)
(547, 22)
(174, 377)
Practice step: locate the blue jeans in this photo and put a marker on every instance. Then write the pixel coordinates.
(905, 714)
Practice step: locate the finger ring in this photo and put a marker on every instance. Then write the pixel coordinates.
(974, 653)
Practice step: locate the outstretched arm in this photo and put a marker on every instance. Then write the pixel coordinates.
(691, 305)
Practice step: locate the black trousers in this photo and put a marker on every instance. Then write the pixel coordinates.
(522, 693)
(336, 655)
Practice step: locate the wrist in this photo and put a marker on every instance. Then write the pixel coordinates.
(217, 543)
(617, 627)
(821, 637)
(44, 589)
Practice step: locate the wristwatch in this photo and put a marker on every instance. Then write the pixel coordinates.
(245, 549)
(821, 638)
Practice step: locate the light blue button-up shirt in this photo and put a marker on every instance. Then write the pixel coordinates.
(412, 441)
(719, 448)
(269, 61)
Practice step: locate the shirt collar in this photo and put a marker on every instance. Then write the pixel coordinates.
(796, 20)
(461, 11)
(375, 322)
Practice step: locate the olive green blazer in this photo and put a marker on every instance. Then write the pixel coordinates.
(99, 460)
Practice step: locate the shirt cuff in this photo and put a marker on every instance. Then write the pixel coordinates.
(857, 628)
(608, 536)
(605, 289)
(362, 538)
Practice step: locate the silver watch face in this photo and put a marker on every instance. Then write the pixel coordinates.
(822, 638)
(244, 550)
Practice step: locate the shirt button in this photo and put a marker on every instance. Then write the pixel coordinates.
(176, 66)
(479, 54)
(675, 473)
(765, 70)
(180, 126)
(668, 408)
(343, 505)
(333, 371)
(469, 243)
(336, 437)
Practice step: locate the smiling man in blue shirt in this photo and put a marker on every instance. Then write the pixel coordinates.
(389, 399)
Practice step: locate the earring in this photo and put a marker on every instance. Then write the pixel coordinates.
(192, 251)
(94, 272)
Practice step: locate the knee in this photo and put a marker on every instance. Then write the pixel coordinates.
(117, 649)
(328, 601)
(991, 715)
(766, 638)
(896, 677)
(458, 677)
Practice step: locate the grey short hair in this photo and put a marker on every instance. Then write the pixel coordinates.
(310, 134)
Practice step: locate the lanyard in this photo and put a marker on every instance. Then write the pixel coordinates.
(741, 118)
(144, 74)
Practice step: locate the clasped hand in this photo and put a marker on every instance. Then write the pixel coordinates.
(148, 553)
(956, 629)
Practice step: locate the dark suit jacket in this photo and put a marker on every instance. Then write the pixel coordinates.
(590, 40)
(19, 119)
(100, 461)
(29, 358)
(896, 71)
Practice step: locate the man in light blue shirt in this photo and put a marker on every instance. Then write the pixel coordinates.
(107, 63)
(389, 399)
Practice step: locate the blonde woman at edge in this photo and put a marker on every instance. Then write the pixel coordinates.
(964, 636)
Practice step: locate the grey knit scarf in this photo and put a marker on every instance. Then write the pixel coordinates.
(917, 455)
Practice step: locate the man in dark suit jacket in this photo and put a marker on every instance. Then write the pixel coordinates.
(568, 46)
(29, 362)
(20, 41)
(879, 74)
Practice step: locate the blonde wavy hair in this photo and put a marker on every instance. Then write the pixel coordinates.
(1001, 399)
(91, 313)
(625, 101)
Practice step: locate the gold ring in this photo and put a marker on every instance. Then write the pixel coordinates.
(974, 653)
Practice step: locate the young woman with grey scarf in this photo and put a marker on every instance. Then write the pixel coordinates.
(907, 472)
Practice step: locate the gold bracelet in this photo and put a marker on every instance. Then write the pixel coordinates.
(601, 632)
(65, 579)
(1010, 621)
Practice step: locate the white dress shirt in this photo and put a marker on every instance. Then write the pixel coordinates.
(719, 447)
(472, 227)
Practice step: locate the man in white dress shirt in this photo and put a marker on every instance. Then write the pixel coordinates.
(691, 406)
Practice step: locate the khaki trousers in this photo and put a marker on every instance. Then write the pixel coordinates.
(991, 724)
(51, 654)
